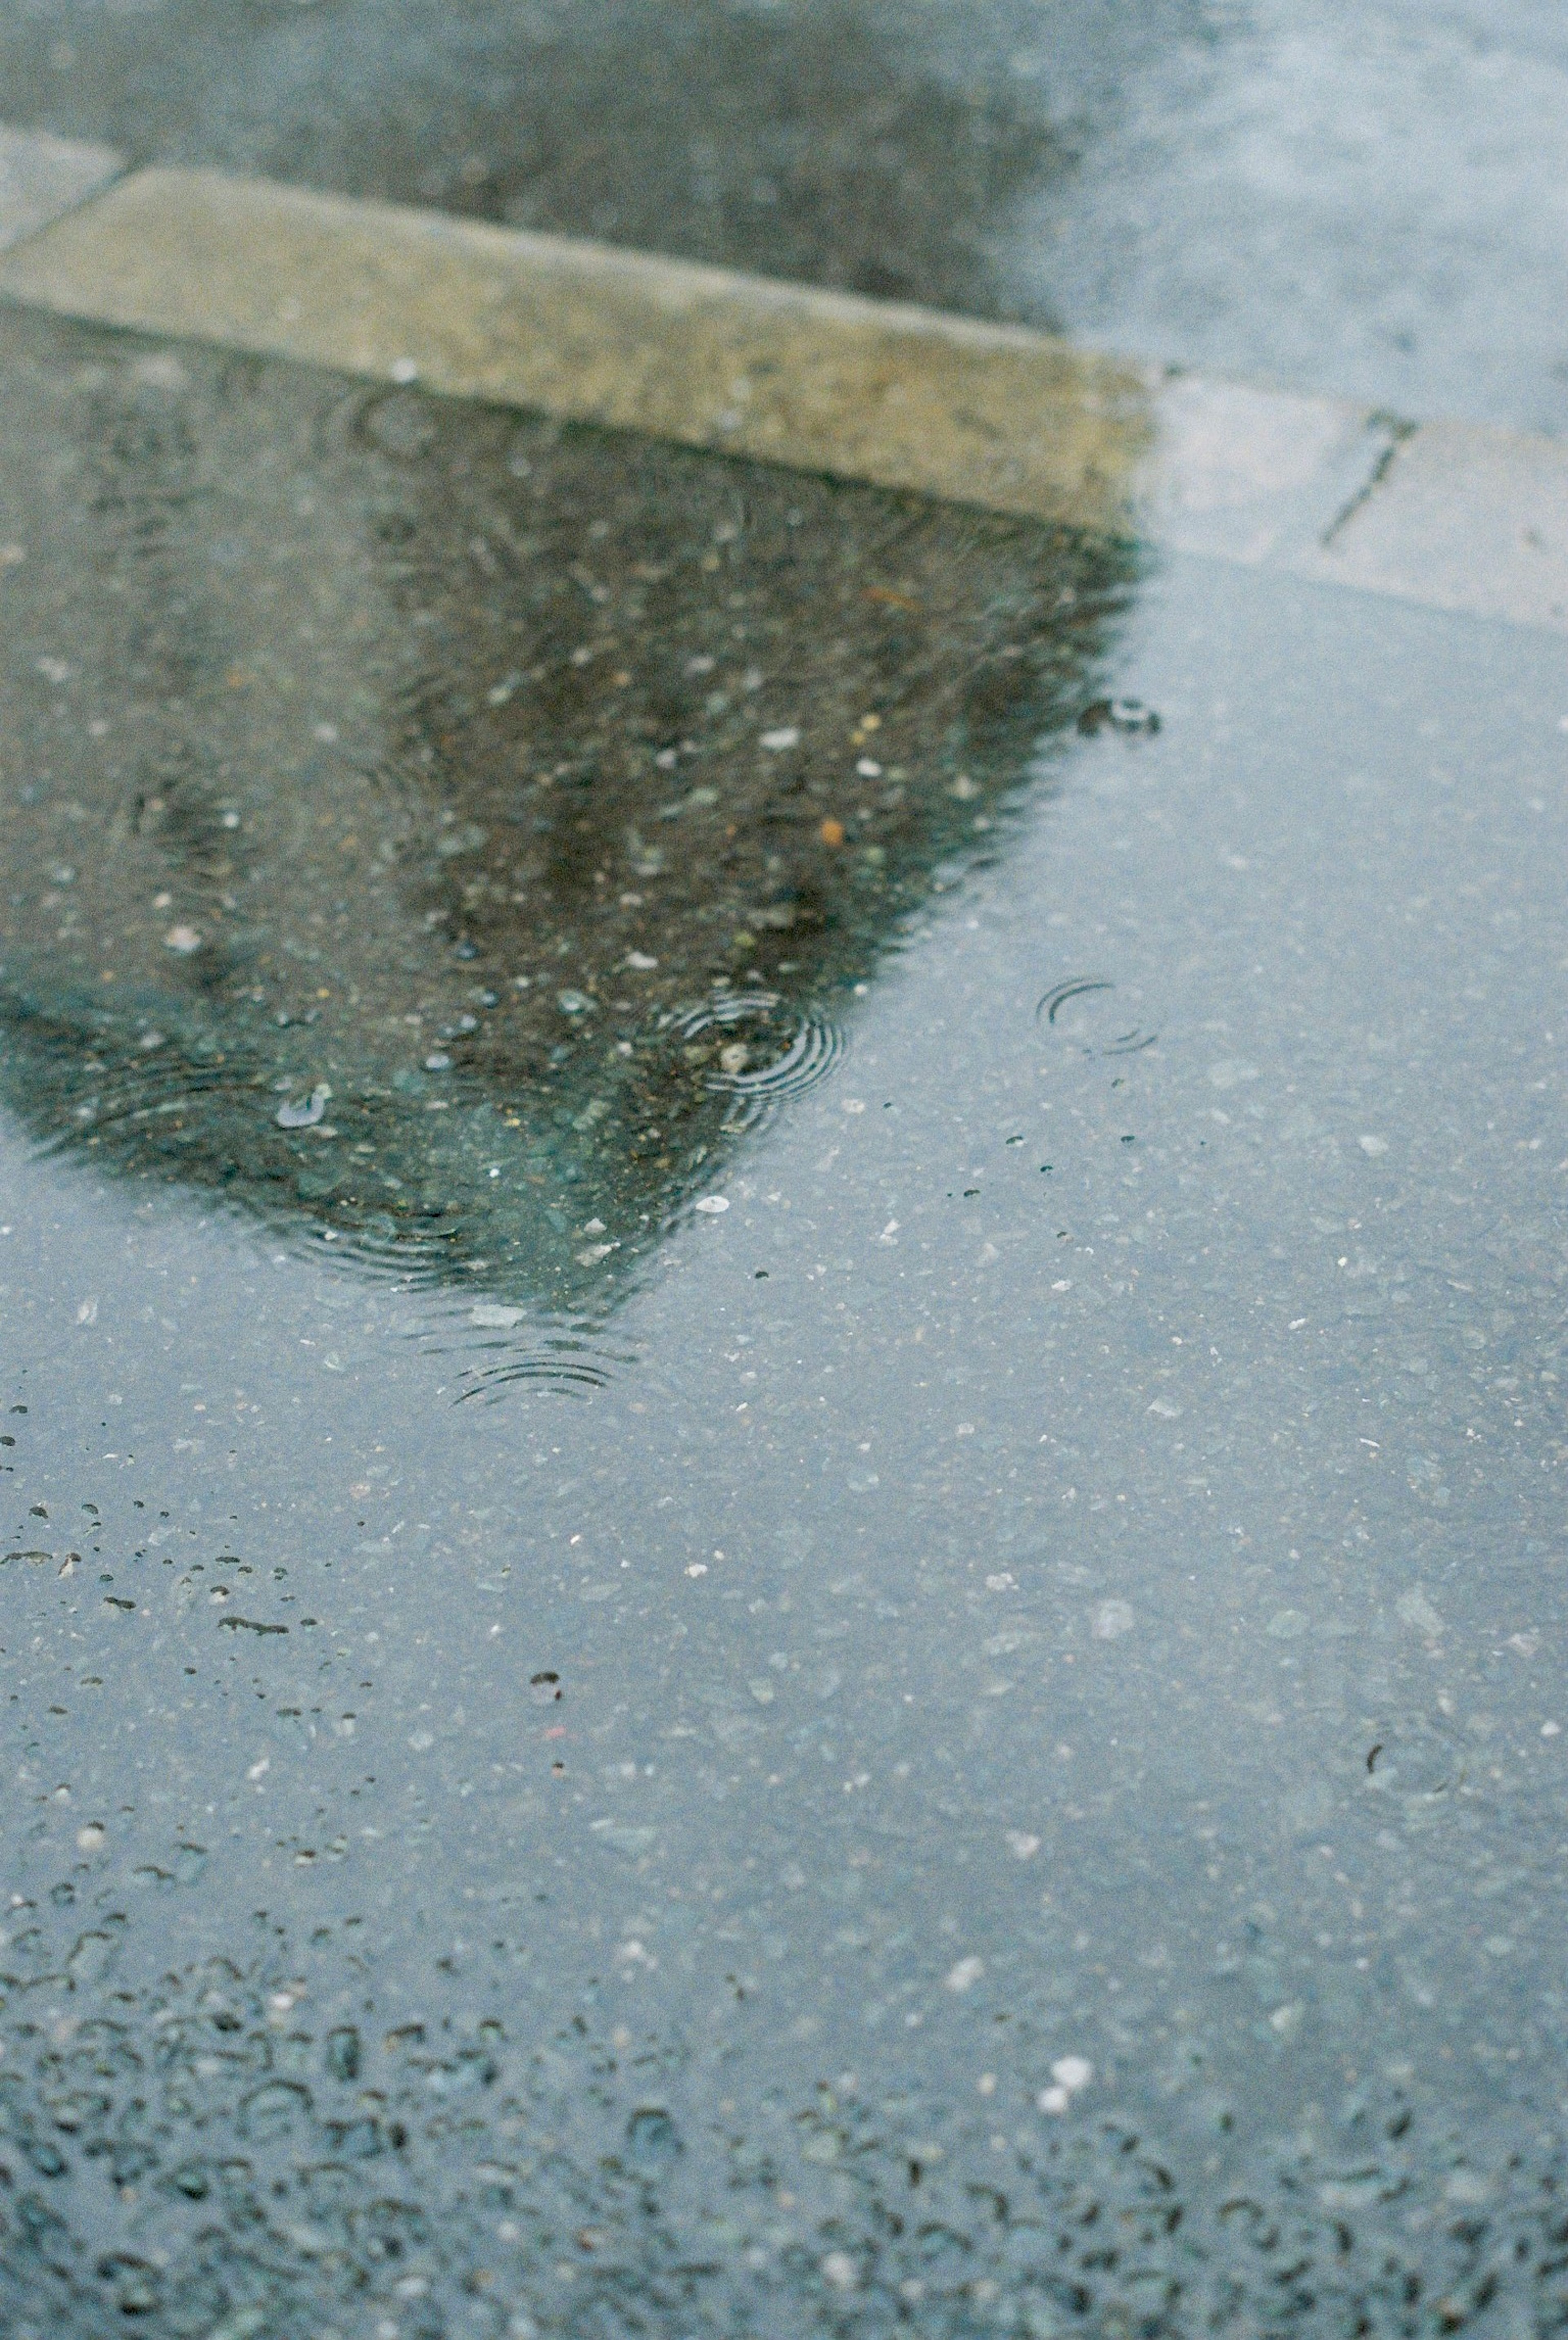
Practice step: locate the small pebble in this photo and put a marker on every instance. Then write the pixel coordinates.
(304, 1113)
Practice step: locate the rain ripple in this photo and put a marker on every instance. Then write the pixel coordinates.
(801, 1045)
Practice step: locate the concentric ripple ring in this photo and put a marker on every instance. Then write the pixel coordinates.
(812, 1049)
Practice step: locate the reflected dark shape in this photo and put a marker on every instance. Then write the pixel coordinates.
(452, 832)
(808, 142)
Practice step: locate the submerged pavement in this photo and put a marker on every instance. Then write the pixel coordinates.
(782, 1275)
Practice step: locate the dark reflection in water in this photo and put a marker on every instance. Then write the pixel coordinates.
(451, 833)
(822, 142)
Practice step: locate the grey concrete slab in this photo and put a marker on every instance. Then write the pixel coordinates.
(41, 176)
(1466, 520)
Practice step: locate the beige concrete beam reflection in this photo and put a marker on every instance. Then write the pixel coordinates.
(822, 381)
(990, 415)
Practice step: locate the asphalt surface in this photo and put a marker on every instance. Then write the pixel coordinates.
(782, 1295)
(735, 1641)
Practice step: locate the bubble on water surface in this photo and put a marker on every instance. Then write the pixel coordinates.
(1129, 716)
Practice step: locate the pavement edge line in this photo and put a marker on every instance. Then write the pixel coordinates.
(1449, 516)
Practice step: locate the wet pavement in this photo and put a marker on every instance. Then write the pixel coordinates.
(1009, 1529)
(782, 1275)
(1362, 200)
(545, 849)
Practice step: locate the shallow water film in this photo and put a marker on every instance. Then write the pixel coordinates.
(969, 1734)
(783, 1546)
(450, 835)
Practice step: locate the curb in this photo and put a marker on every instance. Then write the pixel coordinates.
(1446, 515)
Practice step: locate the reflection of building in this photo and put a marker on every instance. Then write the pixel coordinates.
(494, 803)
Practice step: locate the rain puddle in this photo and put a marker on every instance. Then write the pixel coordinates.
(972, 1738)
(444, 835)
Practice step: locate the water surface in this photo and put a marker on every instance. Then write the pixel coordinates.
(985, 1750)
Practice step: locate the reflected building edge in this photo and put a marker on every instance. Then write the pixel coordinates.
(448, 833)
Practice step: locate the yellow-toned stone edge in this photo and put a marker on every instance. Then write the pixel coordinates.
(1451, 516)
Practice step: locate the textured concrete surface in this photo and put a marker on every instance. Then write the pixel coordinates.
(41, 176)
